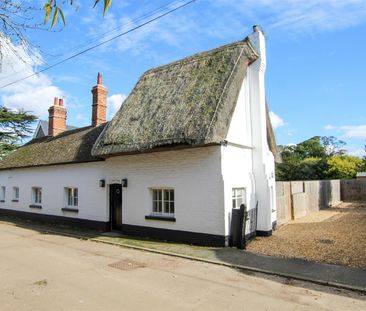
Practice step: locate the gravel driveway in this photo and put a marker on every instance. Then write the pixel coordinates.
(334, 235)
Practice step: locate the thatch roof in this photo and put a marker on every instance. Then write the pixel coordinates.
(69, 147)
(189, 102)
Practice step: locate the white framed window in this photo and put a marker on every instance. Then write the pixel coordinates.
(72, 197)
(2, 193)
(238, 197)
(163, 202)
(37, 195)
(15, 194)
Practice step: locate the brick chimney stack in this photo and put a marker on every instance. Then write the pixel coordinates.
(57, 117)
(99, 92)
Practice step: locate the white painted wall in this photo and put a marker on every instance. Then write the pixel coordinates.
(240, 130)
(263, 160)
(195, 176)
(53, 180)
(237, 173)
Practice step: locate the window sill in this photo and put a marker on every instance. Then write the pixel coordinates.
(15, 200)
(35, 206)
(70, 209)
(158, 217)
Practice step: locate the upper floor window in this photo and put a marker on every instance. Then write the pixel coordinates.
(238, 197)
(37, 195)
(72, 197)
(163, 202)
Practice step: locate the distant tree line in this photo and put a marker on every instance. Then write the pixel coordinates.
(318, 158)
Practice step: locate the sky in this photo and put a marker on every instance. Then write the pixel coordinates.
(316, 59)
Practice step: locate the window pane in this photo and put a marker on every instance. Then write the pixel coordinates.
(154, 195)
(166, 207)
(166, 195)
(159, 206)
(172, 207)
(75, 201)
(171, 195)
(155, 209)
(160, 195)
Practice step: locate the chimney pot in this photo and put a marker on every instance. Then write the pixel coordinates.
(56, 118)
(99, 112)
(256, 28)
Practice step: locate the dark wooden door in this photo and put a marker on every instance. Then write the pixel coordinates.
(115, 199)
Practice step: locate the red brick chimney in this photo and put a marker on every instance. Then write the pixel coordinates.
(57, 117)
(99, 92)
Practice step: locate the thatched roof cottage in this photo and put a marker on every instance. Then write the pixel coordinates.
(189, 146)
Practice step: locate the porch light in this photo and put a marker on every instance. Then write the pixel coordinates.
(124, 182)
(102, 183)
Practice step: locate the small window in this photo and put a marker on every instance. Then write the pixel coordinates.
(16, 194)
(72, 197)
(163, 202)
(238, 197)
(37, 195)
(2, 193)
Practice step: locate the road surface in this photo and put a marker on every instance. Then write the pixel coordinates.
(50, 272)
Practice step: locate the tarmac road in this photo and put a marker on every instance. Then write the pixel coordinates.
(52, 272)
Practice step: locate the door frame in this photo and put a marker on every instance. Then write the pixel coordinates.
(111, 228)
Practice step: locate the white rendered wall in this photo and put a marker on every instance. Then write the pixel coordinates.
(195, 176)
(237, 173)
(236, 156)
(240, 131)
(53, 179)
(263, 160)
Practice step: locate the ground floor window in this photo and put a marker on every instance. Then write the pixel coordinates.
(72, 197)
(2, 193)
(15, 193)
(37, 195)
(163, 202)
(238, 197)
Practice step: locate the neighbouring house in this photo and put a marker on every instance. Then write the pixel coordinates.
(361, 175)
(191, 142)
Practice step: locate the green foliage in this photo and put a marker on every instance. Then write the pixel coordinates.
(14, 126)
(51, 8)
(344, 167)
(316, 158)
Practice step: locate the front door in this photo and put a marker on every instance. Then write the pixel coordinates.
(115, 211)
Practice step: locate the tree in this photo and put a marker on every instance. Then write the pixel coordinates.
(342, 167)
(16, 17)
(14, 126)
(51, 8)
(316, 158)
(333, 146)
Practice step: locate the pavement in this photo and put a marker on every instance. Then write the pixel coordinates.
(45, 271)
(319, 273)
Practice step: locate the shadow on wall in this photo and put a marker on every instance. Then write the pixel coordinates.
(297, 199)
(324, 194)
